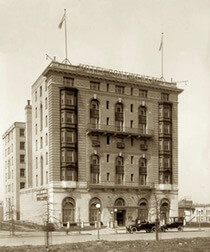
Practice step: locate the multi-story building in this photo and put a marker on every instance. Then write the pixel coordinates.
(1, 210)
(102, 137)
(14, 142)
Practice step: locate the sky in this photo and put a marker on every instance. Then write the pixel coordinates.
(122, 35)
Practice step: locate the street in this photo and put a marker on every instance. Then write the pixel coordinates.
(37, 238)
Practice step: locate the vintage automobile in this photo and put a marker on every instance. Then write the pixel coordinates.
(174, 222)
(138, 226)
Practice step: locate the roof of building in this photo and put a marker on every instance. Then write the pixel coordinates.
(110, 74)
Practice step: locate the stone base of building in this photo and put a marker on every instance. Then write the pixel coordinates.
(83, 206)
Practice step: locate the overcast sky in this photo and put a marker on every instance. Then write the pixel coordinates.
(122, 35)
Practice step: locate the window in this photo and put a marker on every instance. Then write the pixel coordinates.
(35, 112)
(41, 117)
(131, 123)
(35, 95)
(36, 145)
(107, 87)
(22, 158)
(131, 107)
(68, 210)
(143, 93)
(107, 158)
(46, 122)
(107, 104)
(22, 132)
(119, 89)
(46, 161)
(36, 129)
(142, 119)
(46, 139)
(142, 171)
(132, 141)
(68, 117)
(68, 156)
(46, 103)
(95, 169)
(131, 91)
(68, 98)
(22, 145)
(107, 140)
(132, 177)
(164, 97)
(36, 162)
(45, 85)
(41, 144)
(119, 170)
(108, 176)
(69, 82)
(93, 211)
(68, 136)
(94, 85)
(46, 177)
(131, 159)
(40, 91)
(22, 185)
(22, 172)
(107, 121)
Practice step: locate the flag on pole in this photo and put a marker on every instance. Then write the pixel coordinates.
(62, 20)
(161, 43)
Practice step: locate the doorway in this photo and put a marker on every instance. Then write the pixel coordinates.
(120, 217)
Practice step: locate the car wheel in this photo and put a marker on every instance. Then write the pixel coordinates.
(180, 228)
(133, 230)
(153, 229)
(162, 229)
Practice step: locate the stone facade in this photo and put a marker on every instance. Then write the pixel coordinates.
(96, 140)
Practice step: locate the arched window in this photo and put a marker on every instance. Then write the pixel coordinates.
(68, 210)
(94, 112)
(142, 171)
(119, 116)
(142, 119)
(143, 210)
(93, 210)
(94, 169)
(119, 202)
(119, 170)
(164, 211)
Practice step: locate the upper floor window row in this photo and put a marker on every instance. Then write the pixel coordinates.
(164, 97)
(119, 89)
(68, 82)
(95, 85)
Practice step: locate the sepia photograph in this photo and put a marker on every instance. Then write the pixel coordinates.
(105, 128)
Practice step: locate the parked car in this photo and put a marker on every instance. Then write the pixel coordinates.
(175, 222)
(146, 226)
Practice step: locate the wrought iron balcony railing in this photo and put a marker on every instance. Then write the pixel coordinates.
(117, 131)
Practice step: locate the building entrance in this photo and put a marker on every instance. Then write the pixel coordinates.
(120, 217)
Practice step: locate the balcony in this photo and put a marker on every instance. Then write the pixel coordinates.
(143, 147)
(143, 170)
(124, 186)
(94, 113)
(165, 169)
(94, 168)
(112, 130)
(120, 145)
(118, 116)
(142, 119)
(119, 169)
(95, 143)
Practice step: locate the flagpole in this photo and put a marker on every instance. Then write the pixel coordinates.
(162, 57)
(66, 59)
